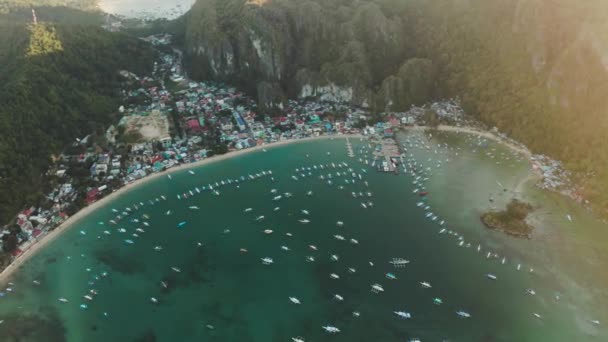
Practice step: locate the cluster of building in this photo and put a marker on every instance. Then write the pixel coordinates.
(177, 121)
(554, 176)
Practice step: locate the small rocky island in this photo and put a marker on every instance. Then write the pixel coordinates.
(511, 221)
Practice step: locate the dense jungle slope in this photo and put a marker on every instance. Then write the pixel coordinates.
(536, 69)
(59, 82)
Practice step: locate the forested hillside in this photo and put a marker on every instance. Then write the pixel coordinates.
(59, 82)
(7, 6)
(536, 69)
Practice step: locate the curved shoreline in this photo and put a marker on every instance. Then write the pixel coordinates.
(43, 241)
(472, 130)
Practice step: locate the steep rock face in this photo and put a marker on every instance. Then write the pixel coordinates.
(334, 51)
(536, 69)
(234, 41)
(412, 84)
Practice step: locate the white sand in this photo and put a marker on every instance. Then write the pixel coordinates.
(485, 134)
(46, 239)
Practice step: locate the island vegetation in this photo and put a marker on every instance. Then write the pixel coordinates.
(511, 221)
(510, 62)
(59, 82)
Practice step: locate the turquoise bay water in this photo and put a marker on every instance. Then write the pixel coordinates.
(243, 300)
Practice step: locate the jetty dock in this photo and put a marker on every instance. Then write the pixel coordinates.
(389, 151)
(349, 147)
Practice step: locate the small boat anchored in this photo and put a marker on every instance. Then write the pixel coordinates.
(399, 262)
(267, 261)
(330, 329)
(463, 314)
(403, 314)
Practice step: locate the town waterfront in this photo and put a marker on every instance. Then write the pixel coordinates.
(224, 294)
(146, 9)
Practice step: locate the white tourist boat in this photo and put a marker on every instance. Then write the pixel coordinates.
(377, 288)
(463, 314)
(331, 329)
(399, 262)
(402, 314)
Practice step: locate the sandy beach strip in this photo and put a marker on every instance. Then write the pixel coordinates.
(43, 241)
(475, 131)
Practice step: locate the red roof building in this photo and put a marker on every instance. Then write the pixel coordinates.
(92, 196)
(194, 125)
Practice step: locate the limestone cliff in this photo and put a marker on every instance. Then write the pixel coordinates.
(536, 69)
(336, 51)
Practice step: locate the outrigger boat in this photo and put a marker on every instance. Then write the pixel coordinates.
(399, 262)
(463, 314)
(377, 288)
(403, 314)
(331, 329)
(267, 261)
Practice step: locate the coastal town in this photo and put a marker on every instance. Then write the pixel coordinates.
(168, 120)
